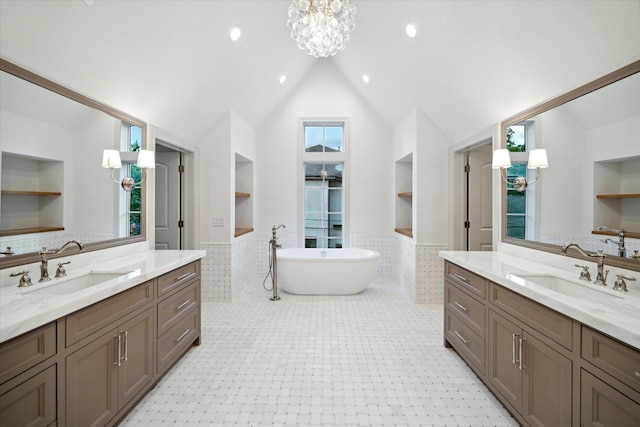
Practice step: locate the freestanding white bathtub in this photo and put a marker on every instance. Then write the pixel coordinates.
(344, 271)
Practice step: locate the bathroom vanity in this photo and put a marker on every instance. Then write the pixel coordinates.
(85, 358)
(554, 352)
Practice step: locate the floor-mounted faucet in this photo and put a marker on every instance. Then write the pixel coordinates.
(274, 261)
(44, 261)
(601, 278)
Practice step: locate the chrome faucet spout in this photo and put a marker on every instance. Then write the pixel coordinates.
(601, 278)
(44, 260)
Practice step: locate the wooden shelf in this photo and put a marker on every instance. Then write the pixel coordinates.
(405, 231)
(242, 231)
(617, 196)
(32, 230)
(240, 194)
(628, 234)
(30, 193)
(406, 194)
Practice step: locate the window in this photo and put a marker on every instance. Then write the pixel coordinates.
(323, 188)
(519, 224)
(131, 201)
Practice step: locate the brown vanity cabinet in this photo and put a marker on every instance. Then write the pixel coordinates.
(104, 375)
(530, 375)
(28, 379)
(546, 368)
(92, 366)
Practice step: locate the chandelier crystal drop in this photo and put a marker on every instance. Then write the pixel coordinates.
(321, 27)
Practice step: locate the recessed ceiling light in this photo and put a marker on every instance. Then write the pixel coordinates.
(365, 78)
(282, 79)
(234, 34)
(411, 30)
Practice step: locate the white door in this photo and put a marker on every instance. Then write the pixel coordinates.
(479, 199)
(167, 200)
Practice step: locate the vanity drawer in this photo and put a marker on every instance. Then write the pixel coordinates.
(469, 310)
(465, 341)
(176, 307)
(85, 322)
(31, 403)
(543, 319)
(469, 281)
(26, 351)
(176, 340)
(178, 277)
(617, 359)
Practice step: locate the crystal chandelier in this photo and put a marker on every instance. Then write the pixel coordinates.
(321, 27)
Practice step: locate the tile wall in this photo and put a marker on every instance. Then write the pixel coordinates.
(34, 242)
(595, 243)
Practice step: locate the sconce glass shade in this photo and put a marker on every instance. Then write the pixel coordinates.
(146, 159)
(538, 159)
(111, 159)
(501, 159)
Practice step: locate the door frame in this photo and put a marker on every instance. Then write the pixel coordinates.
(457, 178)
(189, 187)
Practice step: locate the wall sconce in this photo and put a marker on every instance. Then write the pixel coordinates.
(537, 161)
(111, 160)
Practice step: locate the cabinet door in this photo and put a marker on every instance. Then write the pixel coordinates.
(503, 371)
(136, 363)
(546, 384)
(92, 376)
(32, 403)
(603, 406)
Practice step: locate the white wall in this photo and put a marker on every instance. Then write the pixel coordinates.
(324, 94)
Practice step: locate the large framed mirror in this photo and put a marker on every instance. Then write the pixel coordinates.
(54, 188)
(590, 193)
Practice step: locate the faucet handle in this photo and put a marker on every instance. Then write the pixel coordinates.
(61, 272)
(584, 274)
(619, 284)
(25, 279)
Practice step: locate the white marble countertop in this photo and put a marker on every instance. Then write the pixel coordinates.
(21, 310)
(612, 312)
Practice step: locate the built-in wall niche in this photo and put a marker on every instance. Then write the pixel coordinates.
(617, 195)
(244, 201)
(31, 199)
(404, 193)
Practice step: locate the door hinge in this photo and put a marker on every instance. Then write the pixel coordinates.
(180, 224)
(467, 224)
(467, 168)
(180, 168)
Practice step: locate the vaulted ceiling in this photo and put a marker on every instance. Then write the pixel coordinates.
(172, 64)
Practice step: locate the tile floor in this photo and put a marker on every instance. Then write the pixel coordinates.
(373, 359)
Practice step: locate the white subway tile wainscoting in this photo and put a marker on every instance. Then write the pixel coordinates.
(372, 359)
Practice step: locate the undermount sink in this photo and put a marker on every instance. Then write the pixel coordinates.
(77, 284)
(587, 291)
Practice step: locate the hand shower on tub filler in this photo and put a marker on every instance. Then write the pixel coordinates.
(273, 266)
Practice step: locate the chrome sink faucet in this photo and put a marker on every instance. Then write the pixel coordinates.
(601, 277)
(44, 261)
(622, 252)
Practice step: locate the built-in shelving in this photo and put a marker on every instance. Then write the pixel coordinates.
(244, 202)
(629, 234)
(31, 195)
(404, 201)
(617, 196)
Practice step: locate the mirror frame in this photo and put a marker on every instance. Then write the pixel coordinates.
(601, 82)
(27, 258)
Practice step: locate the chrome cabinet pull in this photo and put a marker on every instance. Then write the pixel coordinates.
(637, 374)
(182, 335)
(459, 277)
(126, 345)
(461, 307)
(521, 365)
(181, 306)
(514, 358)
(118, 349)
(461, 338)
(183, 276)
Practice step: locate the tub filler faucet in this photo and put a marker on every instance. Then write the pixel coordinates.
(601, 278)
(273, 262)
